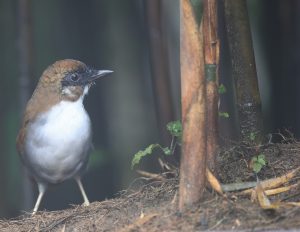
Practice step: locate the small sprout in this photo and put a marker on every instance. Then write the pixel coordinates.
(224, 114)
(222, 89)
(175, 128)
(258, 162)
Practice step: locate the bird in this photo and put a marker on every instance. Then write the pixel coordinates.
(55, 137)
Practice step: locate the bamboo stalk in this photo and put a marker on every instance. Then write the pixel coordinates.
(193, 161)
(159, 68)
(244, 70)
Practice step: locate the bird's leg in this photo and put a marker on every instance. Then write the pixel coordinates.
(42, 189)
(86, 200)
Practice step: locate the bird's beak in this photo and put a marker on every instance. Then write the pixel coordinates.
(95, 74)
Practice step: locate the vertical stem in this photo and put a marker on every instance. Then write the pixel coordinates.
(25, 67)
(193, 161)
(211, 55)
(159, 68)
(243, 69)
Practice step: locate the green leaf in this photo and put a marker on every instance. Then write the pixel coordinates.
(223, 114)
(257, 167)
(258, 162)
(222, 89)
(140, 154)
(261, 159)
(175, 128)
(166, 150)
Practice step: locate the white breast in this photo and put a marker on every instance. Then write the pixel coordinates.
(58, 141)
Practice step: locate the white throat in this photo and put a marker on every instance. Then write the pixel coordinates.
(69, 92)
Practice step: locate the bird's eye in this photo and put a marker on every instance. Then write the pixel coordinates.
(74, 77)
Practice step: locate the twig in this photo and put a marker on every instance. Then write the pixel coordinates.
(151, 175)
(59, 221)
(218, 223)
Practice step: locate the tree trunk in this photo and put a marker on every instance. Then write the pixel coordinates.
(193, 161)
(244, 70)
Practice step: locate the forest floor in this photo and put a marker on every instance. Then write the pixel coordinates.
(151, 204)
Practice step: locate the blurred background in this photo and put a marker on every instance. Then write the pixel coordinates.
(139, 40)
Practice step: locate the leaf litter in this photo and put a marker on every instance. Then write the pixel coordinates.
(150, 203)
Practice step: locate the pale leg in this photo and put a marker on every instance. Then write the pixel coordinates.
(42, 189)
(86, 200)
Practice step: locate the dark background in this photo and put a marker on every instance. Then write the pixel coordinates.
(117, 35)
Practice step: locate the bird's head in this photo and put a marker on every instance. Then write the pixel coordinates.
(71, 79)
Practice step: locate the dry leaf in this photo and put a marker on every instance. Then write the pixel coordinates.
(213, 181)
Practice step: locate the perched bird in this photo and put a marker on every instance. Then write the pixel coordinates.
(55, 136)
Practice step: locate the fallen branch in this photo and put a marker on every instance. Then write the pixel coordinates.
(266, 184)
(151, 175)
(238, 186)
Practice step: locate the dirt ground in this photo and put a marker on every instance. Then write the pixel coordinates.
(151, 205)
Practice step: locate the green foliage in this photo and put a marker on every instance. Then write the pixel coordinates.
(140, 154)
(175, 129)
(222, 89)
(258, 162)
(224, 114)
(167, 151)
